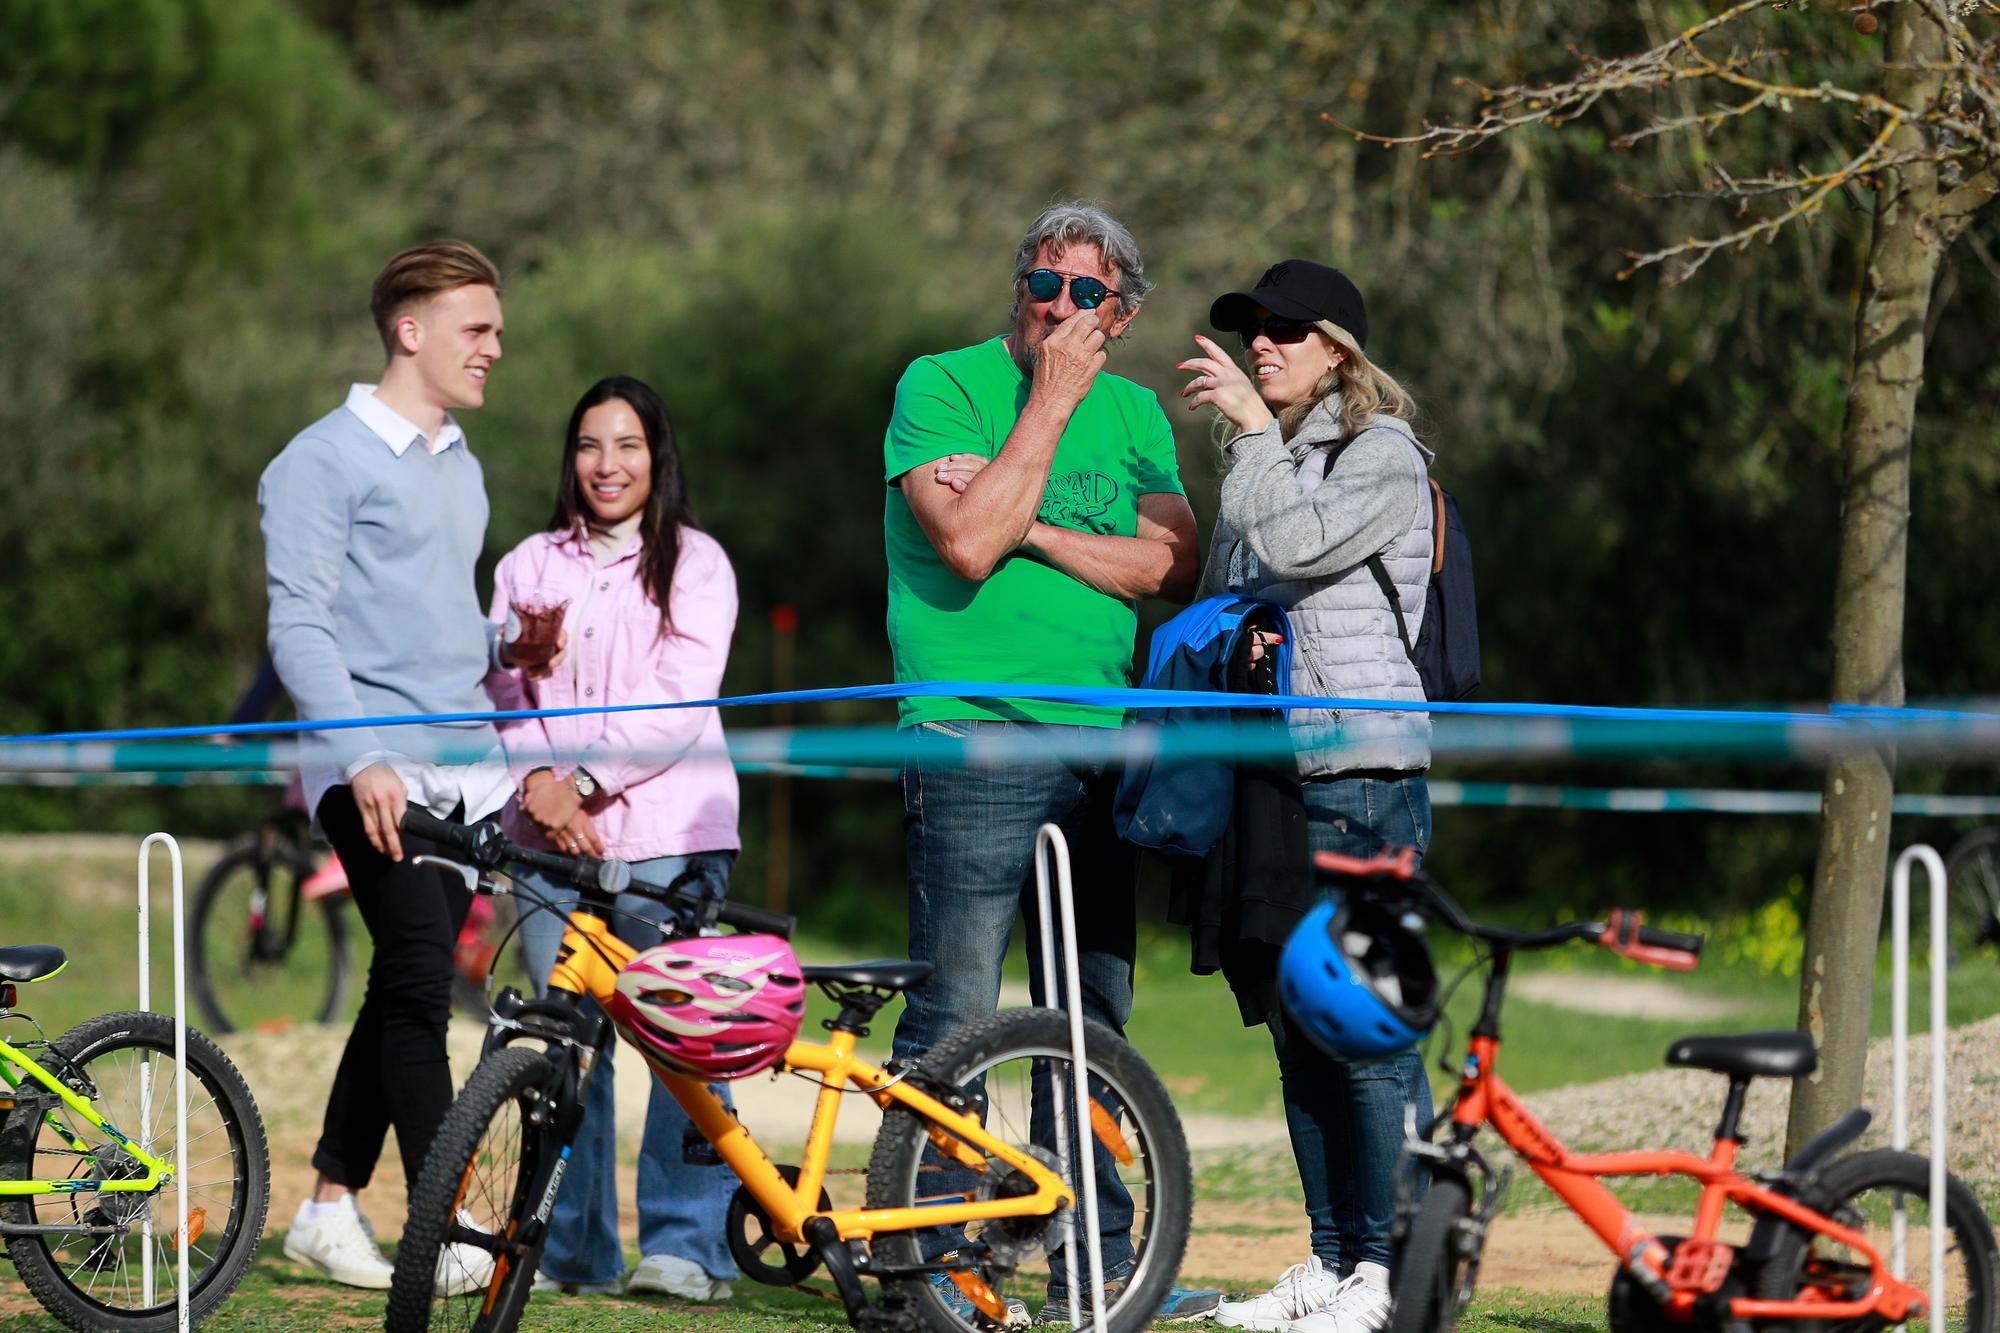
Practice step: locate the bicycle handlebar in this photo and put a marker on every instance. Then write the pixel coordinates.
(1628, 936)
(1624, 934)
(486, 847)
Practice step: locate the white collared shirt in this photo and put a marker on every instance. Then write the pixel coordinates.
(396, 430)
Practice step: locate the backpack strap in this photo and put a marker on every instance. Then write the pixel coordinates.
(1388, 587)
(1437, 524)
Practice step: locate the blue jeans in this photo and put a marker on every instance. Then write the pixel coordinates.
(969, 834)
(681, 1206)
(1346, 1116)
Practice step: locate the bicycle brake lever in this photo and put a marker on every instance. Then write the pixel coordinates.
(459, 868)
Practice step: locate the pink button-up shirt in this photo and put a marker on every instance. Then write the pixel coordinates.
(655, 797)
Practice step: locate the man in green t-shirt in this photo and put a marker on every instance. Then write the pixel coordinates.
(1032, 500)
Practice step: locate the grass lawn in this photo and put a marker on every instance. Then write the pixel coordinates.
(275, 1297)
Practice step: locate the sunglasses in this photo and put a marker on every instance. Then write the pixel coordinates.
(1045, 284)
(1277, 329)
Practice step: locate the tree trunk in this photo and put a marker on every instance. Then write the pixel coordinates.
(1843, 926)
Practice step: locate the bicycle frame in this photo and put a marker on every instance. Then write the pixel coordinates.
(588, 963)
(14, 1064)
(1700, 1263)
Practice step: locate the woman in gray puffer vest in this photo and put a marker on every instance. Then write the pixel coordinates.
(1325, 473)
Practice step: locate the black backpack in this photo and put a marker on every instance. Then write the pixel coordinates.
(1446, 653)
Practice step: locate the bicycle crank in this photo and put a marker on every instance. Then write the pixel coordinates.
(755, 1247)
(1015, 1240)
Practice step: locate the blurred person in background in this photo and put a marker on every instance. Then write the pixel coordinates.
(373, 518)
(1032, 500)
(1325, 472)
(651, 610)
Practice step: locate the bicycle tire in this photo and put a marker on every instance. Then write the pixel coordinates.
(471, 994)
(1802, 1259)
(490, 1176)
(1120, 1077)
(84, 1293)
(1430, 1268)
(1972, 871)
(218, 943)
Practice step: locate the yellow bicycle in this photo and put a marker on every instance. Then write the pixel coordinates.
(966, 1182)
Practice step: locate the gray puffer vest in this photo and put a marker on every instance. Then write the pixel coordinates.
(1313, 546)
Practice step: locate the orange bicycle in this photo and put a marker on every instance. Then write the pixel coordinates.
(964, 1142)
(1826, 1238)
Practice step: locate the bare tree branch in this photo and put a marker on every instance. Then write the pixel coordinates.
(1954, 129)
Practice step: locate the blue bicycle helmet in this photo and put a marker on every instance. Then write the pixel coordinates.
(1357, 978)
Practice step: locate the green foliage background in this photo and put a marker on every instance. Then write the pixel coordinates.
(768, 210)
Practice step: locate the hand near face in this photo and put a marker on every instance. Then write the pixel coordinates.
(1068, 360)
(957, 470)
(1220, 381)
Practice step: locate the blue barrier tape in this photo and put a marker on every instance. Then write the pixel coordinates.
(148, 778)
(1444, 792)
(1838, 716)
(882, 746)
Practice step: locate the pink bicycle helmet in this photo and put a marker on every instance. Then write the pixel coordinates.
(712, 1006)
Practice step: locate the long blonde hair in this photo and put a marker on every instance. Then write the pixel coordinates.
(1365, 389)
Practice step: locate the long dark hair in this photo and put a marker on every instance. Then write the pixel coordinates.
(667, 508)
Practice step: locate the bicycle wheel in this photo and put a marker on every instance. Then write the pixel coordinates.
(476, 1185)
(1868, 1190)
(1428, 1284)
(1973, 872)
(261, 957)
(1005, 1064)
(94, 1279)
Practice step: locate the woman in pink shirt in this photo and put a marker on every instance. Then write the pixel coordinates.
(651, 607)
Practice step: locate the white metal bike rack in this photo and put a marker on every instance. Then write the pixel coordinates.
(1052, 848)
(1899, 891)
(146, 1135)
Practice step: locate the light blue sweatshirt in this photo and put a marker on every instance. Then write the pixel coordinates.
(368, 558)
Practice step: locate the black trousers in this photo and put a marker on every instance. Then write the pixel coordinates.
(394, 1071)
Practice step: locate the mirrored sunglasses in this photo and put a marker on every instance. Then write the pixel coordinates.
(1045, 284)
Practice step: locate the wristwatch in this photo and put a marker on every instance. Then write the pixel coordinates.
(586, 785)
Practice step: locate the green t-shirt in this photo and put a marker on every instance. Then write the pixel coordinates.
(1028, 622)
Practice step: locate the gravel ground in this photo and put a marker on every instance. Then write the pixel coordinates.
(1679, 1107)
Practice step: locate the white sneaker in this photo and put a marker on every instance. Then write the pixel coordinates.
(1300, 1290)
(1361, 1305)
(544, 1285)
(339, 1244)
(463, 1268)
(671, 1275)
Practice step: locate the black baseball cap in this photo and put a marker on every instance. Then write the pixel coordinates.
(1297, 289)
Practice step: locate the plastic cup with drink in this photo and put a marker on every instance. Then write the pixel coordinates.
(534, 626)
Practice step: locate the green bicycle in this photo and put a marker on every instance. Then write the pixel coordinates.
(87, 1192)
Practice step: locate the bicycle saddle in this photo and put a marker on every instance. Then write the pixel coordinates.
(1785, 1054)
(886, 973)
(31, 962)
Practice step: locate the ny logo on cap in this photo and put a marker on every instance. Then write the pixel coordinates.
(1274, 274)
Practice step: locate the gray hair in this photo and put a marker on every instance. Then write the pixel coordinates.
(1070, 222)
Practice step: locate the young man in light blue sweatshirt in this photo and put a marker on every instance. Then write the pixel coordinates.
(373, 519)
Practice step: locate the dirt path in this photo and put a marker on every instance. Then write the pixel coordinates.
(1620, 997)
(1241, 1245)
